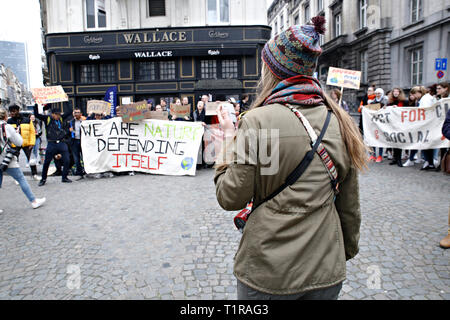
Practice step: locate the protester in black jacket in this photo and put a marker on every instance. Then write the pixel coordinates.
(56, 136)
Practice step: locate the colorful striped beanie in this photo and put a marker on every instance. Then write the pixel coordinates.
(295, 51)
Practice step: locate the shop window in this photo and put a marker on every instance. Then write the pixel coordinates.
(88, 73)
(107, 72)
(156, 8)
(167, 70)
(229, 69)
(218, 11)
(93, 73)
(208, 69)
(146, 70)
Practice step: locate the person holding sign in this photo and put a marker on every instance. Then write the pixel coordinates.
(295, 244)
(56, 134)
(380, 99)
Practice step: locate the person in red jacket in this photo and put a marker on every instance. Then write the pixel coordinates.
(364, 102)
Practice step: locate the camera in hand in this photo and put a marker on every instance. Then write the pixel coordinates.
(10, 153)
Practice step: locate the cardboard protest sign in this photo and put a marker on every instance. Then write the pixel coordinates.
(98, 106)
(211, 108)
(158, 115)
(409, 128)
(149, 146)
(213, 140)
(374, 107)
(134, 112)
(49, 95)
(344, 78)
(180, 111)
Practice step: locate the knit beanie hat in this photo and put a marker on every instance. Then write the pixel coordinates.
(295, 51)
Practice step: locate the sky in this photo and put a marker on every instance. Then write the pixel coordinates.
(21, 22)
(269, 2)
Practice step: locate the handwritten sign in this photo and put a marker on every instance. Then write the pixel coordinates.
(134, 112)
(180, 111)
(149, 146)
(49, 95)
(98, 106)
(408, 128)
(211, 108)
(344, 78)
(158, 115)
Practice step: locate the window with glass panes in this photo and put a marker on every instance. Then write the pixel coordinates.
(218, 11)
(337, 25)
(107, 72)
(88, 73)
(364, 65)
(362, 14)
(416, 66)
(229, 69)
(208, 69)
(156, 8)
(319, 5)
(416, 10)
(167, 70)
(146, 70)
(306, 12)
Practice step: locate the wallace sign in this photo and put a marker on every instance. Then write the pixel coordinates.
(155, 37)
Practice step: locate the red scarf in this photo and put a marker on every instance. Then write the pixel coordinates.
(304, 90)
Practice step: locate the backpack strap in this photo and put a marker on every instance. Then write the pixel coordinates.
(322, 152)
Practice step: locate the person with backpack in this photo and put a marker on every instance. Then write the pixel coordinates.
(8, 159)
(56, 136)
(300, 231)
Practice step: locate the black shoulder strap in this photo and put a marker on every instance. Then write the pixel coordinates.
(304, 164)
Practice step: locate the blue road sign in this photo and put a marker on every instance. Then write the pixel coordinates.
(441, 64)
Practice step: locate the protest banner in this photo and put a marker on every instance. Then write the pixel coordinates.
(49, 95)
(344, 78)
(134, 112)
(180, 111)
(408, 128)
(111, 97)
(150, 146)
(98, 106)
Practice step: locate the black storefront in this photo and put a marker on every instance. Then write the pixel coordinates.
(157, 63)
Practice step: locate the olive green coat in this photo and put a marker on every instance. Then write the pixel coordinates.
(301, 239)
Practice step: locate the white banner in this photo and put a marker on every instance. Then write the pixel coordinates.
(150, 146)
(409, 128)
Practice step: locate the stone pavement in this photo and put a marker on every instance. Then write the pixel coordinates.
(162, 237)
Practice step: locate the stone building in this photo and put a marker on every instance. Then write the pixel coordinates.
(153, 49)
(393, 43)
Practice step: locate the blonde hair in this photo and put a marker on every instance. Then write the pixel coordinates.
(3, 113)
(351, 135)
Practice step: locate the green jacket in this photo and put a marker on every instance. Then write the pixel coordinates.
(301, 239)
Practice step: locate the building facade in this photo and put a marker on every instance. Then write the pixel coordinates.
(154, 49)
(393, 43)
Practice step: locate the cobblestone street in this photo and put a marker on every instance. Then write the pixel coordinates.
(162, 237)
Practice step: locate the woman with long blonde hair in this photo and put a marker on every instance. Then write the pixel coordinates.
(296, 240)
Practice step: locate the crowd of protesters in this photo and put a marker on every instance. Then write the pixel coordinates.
(22, 131)
(418, 96)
